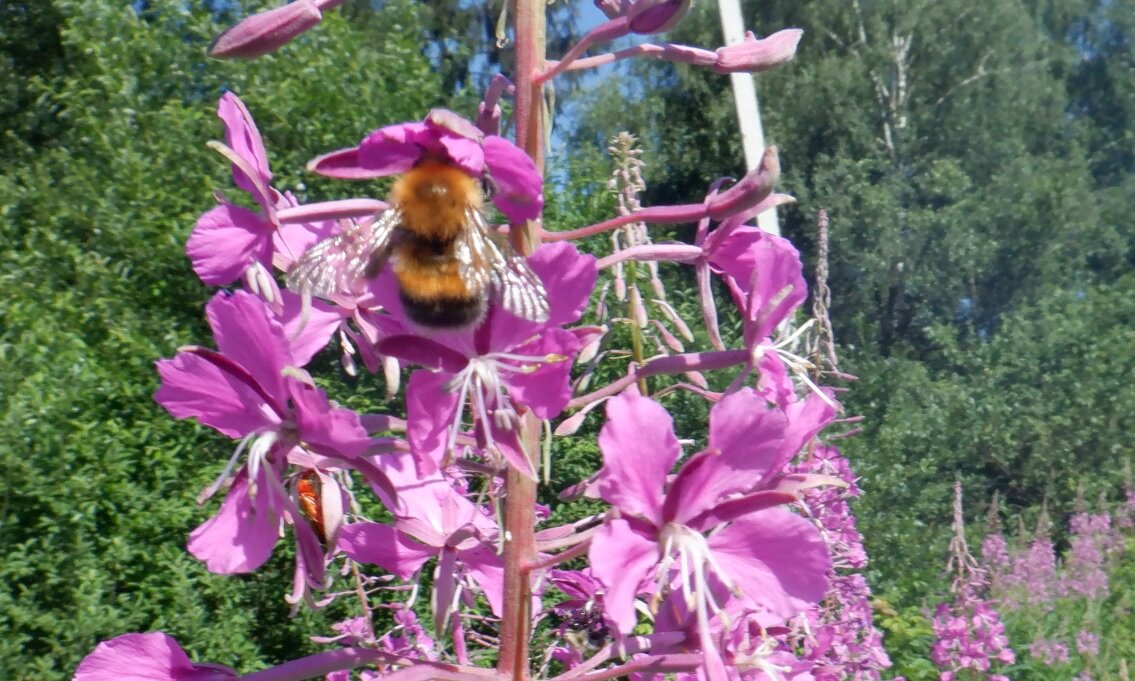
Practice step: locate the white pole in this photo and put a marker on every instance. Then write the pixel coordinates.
(748, 109)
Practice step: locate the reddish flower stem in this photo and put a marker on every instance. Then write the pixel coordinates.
(520, 490)
(660, 664)
(321, 664)
(563, 556)
(673, 364)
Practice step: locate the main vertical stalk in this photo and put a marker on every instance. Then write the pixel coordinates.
(520, 491)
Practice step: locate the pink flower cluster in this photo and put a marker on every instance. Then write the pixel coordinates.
(1085, 569)
(840, 637)
(717, 552)
(1030, 583)
(969, 635)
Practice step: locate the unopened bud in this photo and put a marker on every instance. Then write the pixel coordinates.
(751, 190)
(647, 17)
(752, 55)
(262, 33)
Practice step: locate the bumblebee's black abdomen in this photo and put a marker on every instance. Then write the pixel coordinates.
(443, 313)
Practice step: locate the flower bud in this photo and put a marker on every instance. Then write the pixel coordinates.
(752, 55)
(750, 190)
(262, 33)
(647, 17)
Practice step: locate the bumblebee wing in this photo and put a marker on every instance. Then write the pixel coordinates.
(512, 284)
(473, 258)
(339, 264)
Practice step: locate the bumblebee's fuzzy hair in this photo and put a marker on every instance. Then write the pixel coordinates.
(435, 199)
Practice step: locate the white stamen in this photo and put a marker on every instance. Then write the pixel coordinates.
(690, 550)
(481, 382)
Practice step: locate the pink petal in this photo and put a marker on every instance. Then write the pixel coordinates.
(430, 414)
(242, 534)
(458, 140)
(569, 277)
(145, 657)
(307, 336)
(385, 547)
(424, 352)
(344, 164)
(487, 569)
(746, 438)
(778, 559)
(774, 383)
(242, 137)
(519, 187)
(225, 241)
(464, 153)
(546, 390)
(621, 559)
(770, 273)
(193, 387)
(395, 148)
(639, 449)
(247, 333)
(327, 431)
(805, 418)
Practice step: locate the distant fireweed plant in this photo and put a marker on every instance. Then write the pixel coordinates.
(1065, 609)
(738, 561)
(970, 641)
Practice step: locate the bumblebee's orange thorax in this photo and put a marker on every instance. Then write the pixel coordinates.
(434, 197)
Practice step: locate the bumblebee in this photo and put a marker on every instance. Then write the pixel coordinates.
(448, 265)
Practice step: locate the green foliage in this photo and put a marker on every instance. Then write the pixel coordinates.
(908, 636)
(1028, 414)
(109, 172)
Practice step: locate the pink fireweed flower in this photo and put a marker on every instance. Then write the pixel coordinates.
(969, 634)
(248, 390)
(504, 365)
(738, 647)
(582, 613)
(146, 657)
(1034, 573)
(714, 531)
(1087, 643)
(1085, 569)
(356, 320)
(432, 519)
(1048, 652)
(767, 278)
(517, 186)
(841, 632)
(230, 241)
